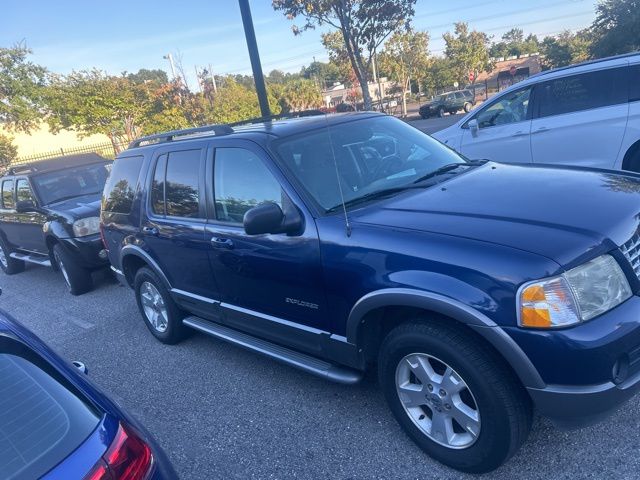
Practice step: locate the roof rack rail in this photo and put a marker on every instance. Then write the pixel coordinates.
(19, 169)
(585, 63)
(174, 134)
(280, 116)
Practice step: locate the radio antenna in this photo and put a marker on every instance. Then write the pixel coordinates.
(335, 164)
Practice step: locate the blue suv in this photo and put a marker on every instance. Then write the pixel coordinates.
(480, 291)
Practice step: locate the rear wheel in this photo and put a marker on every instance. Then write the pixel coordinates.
(441, 112)
(160, 313)
(9, 265)
(453, 396)
(77, 278)
(467, 107)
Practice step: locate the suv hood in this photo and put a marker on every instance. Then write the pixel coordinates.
(565, 214)
(78, 207)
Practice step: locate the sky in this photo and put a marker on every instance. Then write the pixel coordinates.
(118, 36)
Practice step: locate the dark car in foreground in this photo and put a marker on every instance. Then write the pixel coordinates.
(55, 424)
(451, 103)
(49, 216)
(481, 291)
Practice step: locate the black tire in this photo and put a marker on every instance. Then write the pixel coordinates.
(10, 266)
(175, 330)
(441, 112)
(633, 163)
(78, 279)
(505, 412)
(467, 107)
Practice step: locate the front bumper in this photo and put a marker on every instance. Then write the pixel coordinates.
(87, 250)
(590, 369)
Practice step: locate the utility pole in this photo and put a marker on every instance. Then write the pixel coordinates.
(254, 55)
(169, 57)
(213, 80)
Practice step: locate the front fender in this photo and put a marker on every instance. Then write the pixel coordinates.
(451, 308)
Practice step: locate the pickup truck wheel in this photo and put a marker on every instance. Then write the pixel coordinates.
(160, 313)
(9, 265)
(453, 396)
(77, 278)
(441, 112)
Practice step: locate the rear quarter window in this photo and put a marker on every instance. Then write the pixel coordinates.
(634, 83)
(41, 421)
(120, 188)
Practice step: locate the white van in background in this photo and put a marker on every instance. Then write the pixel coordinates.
(583, 115)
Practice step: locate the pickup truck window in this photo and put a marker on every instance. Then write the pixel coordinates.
(73, 182)
(23, 190)
(7, 194)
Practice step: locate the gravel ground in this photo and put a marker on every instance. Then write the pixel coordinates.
(222, 412)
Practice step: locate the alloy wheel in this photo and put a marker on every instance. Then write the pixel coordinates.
(438, 401)
(154, 307)
(63, 269)
(3, 257)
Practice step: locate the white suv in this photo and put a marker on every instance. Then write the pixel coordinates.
(585, 115)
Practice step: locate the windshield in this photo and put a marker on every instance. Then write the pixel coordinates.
(371, 155)
(71, 182)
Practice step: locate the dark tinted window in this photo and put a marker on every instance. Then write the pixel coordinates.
(182, 184)
(581, 92)
(41, 421)
(7, 194)
(157, 186)
(23, 190)
(242, 181)
(71, 182)
(634, 83)
(121, 186)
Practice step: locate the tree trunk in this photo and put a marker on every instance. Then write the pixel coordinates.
(358, 68)
(404, 97)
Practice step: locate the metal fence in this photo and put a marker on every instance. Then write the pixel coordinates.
(106, 149)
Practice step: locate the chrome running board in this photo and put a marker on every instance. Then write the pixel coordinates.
(37, 259)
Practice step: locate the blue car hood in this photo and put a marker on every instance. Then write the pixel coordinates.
(565, 214)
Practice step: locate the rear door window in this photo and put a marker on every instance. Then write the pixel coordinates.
(581, 92)
(120, 188)
(7, 194)
(41, 421)
(182, 184)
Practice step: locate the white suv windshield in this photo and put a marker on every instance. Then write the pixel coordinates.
(368, 156)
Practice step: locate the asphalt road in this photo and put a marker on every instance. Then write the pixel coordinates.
(431, 125)
(222, 412)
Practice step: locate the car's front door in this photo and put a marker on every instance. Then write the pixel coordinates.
(580, 119)
(173, 229)
(273, 277)
(29, 224)
(503, 130)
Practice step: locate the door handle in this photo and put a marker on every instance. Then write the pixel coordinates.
(219, 242)
(541, 130)
(520, 133)
(150, 230)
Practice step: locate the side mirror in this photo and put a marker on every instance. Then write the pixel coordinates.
(24, 206)
(268, 218)
(81, 366)
(473, 127)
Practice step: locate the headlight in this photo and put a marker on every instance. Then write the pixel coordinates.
(579, 294)
(86, 226)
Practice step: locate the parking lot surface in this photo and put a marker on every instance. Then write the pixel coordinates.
(222, 412)
(432, 125)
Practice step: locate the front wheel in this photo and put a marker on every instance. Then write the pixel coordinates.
(8, 264)
(77, 278)
(441, 112)
(467, 107)
(453, 395)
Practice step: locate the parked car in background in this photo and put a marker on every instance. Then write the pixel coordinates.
(55, 424)
(584, 115)
(333, 243)
(451, 102)
(49, 216)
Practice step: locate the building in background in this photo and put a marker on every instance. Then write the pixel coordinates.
(340, 93)
(508, 72)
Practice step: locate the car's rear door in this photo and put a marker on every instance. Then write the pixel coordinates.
(581, 119)
(503, 133)
(29, 224)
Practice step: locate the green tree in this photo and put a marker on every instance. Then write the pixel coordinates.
(565, 49)
(438, 76)
(300, 94)
(514, 43)
(364, 25)
(325, 74)
(8, 151)
(406, 57)
(467, 52)
(616, 28)
(338, 55)
(157, 77)
(21, 85)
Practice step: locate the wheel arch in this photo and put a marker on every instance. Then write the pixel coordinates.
(632, 152)
(133, 258)
(377, 312)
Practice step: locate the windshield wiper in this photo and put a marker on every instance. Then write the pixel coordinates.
(440, 170)
(369, 196)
